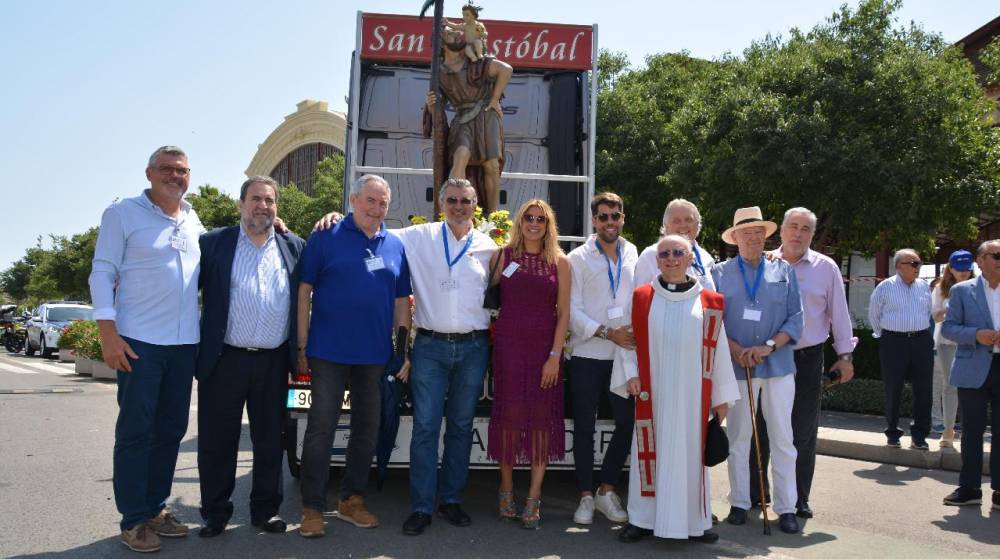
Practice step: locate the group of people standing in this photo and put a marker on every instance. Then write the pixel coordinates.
(666, 339)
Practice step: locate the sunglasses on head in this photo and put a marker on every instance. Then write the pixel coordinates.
(994, 255)
(916, 264)
(451, 201)
(534, 218)
(613, 216)
(676, 253)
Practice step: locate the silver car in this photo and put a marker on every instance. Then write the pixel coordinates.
(47, 323)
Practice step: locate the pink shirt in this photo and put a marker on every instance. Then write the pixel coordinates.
(824, 304)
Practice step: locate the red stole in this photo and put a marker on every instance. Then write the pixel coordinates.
(642, 300)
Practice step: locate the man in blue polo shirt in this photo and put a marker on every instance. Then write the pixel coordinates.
(358, 279)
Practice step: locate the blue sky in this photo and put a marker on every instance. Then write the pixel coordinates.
(91, 88)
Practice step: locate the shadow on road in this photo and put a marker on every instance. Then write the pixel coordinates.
(889, 474)
(972, 522)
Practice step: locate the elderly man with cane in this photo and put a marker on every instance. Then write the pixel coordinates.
(763, 319)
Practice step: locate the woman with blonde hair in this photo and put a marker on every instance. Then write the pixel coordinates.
(944, 405)
(526, 423)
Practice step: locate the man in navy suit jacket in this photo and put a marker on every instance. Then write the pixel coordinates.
(249, 282)
(973, 321)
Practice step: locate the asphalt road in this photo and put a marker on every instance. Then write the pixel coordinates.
(56, 437)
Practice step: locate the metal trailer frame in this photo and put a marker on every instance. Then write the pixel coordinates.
(354, 170)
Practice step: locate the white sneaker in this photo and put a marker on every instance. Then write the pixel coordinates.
(611, 506)
(585, 512)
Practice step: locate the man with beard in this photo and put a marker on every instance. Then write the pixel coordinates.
(680, 218)
(600, 296)
(249, 279)
(144, 284)
(475, 136)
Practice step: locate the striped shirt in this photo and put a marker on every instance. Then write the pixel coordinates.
(899, 307)
(259, 295)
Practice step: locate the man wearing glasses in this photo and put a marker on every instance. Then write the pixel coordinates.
(144, 284)
(973, 322)
(600, 298)
(899, 313)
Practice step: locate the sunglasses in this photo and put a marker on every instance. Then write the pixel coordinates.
(451, 201)
(676, 253)
(916, 264)
(534, 218)
(613, 216)
(994, 255)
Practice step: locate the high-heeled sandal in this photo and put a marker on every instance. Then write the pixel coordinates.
(508, 508)
(531, 516)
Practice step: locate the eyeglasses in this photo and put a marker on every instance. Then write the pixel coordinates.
(451, 201)
(916, 264)
(534, 218)
(676, 253)
(613, 216)
(168, 170)
(994, 255)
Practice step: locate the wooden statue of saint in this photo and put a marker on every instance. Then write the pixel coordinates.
(475, 134)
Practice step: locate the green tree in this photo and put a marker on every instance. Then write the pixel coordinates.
(14, 280)
(878, 129)
(301, 211)
(214, 208)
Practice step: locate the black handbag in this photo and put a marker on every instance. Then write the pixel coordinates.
(491, 297)
(716, 443)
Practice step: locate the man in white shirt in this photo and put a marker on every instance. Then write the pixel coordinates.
(601, 294)
(680, 218)
(449, 263)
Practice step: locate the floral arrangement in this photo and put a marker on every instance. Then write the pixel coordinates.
(497, 225)
(83, 337)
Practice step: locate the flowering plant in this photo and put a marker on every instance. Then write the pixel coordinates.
(497, 225)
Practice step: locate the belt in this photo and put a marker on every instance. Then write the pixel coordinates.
(810, 348)
(913, 334)
(255, 349)
(450, 337)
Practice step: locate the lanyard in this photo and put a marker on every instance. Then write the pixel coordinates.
(615, 282)
(447, 253)
(697, 259)
(751, 293)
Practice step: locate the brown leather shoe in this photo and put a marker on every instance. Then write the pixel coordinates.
(353, 510)
(166, 524)
(140, 538)
(312, 523)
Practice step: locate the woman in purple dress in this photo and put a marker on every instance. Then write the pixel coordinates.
(526, 424)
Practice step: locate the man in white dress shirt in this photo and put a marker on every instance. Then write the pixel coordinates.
(600, 297)
(680, 218)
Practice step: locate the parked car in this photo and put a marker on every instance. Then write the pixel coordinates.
(47, 322)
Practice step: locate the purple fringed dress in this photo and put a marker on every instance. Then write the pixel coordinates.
(526, 423)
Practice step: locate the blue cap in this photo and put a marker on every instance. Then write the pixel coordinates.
(960, 261)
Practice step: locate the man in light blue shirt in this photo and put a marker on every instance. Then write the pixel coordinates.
(144, 285)
(899, 312)
(763, 318)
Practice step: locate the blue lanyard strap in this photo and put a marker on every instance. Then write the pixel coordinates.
(751, 293)
(615, 282)
(447, 252)
(697, 259)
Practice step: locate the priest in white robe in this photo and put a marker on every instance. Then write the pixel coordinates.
(681, 376)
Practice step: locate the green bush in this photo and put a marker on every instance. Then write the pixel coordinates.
(864, 395)
(85, 339)
(72, 333)
(866, 365)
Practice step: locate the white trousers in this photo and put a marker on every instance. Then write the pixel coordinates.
(774, 397)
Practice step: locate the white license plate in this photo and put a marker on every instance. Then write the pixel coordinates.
(299, 399)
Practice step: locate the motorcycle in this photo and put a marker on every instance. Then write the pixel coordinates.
(15, 331)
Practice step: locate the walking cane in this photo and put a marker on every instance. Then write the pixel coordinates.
(756, 444)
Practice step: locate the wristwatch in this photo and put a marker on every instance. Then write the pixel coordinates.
(771, 344)
(849, 357)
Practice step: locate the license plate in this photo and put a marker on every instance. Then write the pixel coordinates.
(299, 399)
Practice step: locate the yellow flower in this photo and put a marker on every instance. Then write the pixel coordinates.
(417, 219)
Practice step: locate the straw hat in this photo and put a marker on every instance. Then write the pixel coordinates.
(748, 217)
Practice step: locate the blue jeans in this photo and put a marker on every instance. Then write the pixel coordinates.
(447, 380)
(153, 403)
